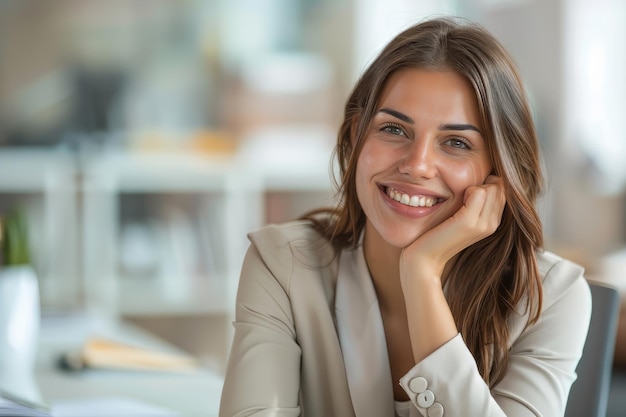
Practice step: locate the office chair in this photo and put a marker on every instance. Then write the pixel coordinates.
(589, 394)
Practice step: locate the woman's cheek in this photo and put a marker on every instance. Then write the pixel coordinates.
(467, 176)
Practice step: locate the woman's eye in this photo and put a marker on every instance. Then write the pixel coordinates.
(393, 129)
(458, 143)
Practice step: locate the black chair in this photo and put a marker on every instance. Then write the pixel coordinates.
(589, 394)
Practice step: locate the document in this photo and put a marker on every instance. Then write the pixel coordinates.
(13, 406)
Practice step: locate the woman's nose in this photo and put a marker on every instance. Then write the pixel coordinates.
(419, 160)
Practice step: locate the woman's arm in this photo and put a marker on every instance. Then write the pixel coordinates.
(422, 264)
(542, 359)
(262, 376)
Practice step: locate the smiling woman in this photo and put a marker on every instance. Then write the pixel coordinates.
(427, 288)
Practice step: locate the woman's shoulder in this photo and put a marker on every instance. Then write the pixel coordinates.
(561, 276)
(564, 288)
(295, 241)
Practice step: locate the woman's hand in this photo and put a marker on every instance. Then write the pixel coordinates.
(422, 264)
(478, 217)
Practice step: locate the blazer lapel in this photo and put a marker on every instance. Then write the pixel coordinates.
(362, 338)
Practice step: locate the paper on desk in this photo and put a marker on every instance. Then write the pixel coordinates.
(107, 407)
(13, 406)
(103, 353)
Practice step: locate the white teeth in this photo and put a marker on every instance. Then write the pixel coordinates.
(413, 201)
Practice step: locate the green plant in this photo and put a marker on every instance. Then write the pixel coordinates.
(15, 247)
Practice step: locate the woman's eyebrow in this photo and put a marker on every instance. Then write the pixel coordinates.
(459, 126)
(397, 115)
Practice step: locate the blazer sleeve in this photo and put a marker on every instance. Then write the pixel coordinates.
(262, 377)
(542, 364)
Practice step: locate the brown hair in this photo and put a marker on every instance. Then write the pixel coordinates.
(492, 278)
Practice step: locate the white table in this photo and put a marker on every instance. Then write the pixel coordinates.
(193, 394)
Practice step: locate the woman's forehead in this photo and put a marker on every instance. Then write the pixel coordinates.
(442, 95)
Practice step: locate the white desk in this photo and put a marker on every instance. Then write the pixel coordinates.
(193, 394)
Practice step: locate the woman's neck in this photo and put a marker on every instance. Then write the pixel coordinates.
(383, 262)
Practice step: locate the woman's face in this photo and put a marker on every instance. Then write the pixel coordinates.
(423, 148)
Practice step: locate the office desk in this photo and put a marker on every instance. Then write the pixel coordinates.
(193, 394)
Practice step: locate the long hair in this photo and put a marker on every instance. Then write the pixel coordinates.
(494, 277)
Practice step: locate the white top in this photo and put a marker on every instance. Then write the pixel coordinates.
(403, 408)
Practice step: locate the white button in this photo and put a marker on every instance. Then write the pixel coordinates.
(418, 385)
(435, 410)
(425, 399)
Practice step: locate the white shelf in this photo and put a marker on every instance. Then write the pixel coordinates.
(83, 199)
(115, 183)
(161, 172)
(35, 170)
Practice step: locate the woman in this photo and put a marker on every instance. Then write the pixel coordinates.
(426, 290)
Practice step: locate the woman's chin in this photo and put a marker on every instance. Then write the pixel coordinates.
(400, 240)
(396, 236)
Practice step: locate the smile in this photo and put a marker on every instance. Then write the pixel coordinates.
(413, 200)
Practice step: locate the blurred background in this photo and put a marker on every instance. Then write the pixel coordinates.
(144, 138)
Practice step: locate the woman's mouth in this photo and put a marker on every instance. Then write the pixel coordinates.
(411, 200)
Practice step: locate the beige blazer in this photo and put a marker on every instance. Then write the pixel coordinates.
(307, 341)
